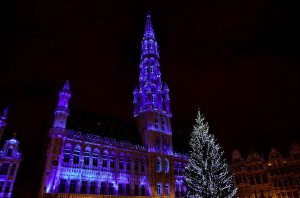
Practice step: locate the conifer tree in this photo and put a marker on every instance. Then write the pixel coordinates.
(207, 172)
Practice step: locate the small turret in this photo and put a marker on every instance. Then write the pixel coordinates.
(3, 122)
(62, 109)
(10, 159)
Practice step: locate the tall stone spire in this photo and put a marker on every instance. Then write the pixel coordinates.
(150, 96)
(62, 109)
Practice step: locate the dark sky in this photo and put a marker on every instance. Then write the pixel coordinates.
(236, 60)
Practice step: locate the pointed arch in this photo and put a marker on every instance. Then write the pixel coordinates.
(166, 165)
(158, 164)
(76, 154)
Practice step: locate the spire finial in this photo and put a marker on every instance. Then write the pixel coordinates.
(66, 85)
(148, 28)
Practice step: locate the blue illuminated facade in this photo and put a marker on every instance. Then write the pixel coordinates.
(86, 165)
(10, 159)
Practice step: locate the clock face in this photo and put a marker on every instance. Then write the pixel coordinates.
(54, 162)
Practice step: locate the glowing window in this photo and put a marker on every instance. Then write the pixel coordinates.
(76, 155)
(163, 125)
(95, 159)
(158, 165)
(93, 188)
(112, 162)
(86, 158)
(167, 189)
(72, 186)
(62, 186)
(167, 165)
(156, 122)
(158, 189)
(66, 155)
(83, 187)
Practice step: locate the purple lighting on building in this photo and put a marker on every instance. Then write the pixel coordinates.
(150, 95)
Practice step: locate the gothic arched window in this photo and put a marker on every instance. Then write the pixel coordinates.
(158, 164)
(121, 161)
(87, 156)
(167, 165)
(145, 45)
(128, 163)
(156, 122)
(67, 152)
(163, 124)
(153, 98)
(76, 155)
(62, 186)
(95, 157)
(104, 158)
(112, 160)
(165, 144)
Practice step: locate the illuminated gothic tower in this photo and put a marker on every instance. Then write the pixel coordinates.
(56, 137)
(153, 114)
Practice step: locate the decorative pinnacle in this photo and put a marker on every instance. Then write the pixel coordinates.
(148, 28)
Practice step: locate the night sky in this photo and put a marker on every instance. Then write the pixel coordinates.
(238, 61)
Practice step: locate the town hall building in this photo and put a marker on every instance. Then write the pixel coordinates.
(80, 164)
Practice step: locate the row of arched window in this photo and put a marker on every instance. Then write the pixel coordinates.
(107, 159)
(148, 45)
(162, 165)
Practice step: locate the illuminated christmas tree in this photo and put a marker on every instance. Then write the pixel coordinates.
(207, 173)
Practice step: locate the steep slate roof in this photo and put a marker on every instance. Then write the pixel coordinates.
(104, 126)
